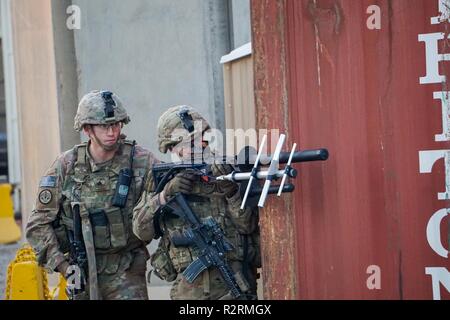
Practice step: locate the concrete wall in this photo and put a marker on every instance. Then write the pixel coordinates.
(2, 94)
(154, 54)
(240, 15)
(66, 73)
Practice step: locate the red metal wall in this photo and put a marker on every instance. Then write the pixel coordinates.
(326, 80)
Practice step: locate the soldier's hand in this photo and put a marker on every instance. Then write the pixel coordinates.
(183, 182)
(228, 188)
(221, 169)
(62, 268)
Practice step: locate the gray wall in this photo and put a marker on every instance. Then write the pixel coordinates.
(154, 54)
(66, 73)
(241, 33)
(2, 94)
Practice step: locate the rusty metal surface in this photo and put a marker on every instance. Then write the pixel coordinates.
(356, 92)
(277, 219)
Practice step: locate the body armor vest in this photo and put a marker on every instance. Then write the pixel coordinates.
(111, 226)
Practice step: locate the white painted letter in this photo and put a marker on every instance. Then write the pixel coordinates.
(444, 10)
(438, 275)
(434, 232)
(426, 162)
(433, 57)
(443, 96)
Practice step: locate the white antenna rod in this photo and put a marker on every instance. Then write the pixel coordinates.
(283, 180)
(255, 167)
(273, 168)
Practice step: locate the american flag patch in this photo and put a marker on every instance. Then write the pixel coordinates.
(48, 181)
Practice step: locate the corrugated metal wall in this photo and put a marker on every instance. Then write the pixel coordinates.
(326, 79)
(239, 98)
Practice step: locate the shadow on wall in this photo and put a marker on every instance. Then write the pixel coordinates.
(3, 157)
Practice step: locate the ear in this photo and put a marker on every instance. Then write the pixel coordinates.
(87, 129)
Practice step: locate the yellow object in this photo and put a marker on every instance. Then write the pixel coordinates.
(9, 230)
(59, 292)
(25, 279)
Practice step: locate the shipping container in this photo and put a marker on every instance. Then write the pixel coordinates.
(366, 80)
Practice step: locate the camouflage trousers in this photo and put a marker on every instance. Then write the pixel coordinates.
(128, 284)
(209, 285)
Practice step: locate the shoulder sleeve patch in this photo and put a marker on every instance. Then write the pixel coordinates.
(45, 196)
(47, 199)
(48, 182)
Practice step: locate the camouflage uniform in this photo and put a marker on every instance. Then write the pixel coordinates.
(206, 200)
(120, 256)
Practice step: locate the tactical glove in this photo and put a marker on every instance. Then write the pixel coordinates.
(228, 188)
(220, 169)
(183, 182)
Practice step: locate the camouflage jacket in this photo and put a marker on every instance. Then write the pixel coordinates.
(51, 217)
(205, 200)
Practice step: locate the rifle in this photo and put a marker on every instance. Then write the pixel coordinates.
(164, 172)
(247, 168)
(78, 254)
(209, 239)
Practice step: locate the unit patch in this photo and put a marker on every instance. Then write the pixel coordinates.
(45, 196)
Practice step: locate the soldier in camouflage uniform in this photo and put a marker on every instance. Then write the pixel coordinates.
(219, 200)
(91, 169)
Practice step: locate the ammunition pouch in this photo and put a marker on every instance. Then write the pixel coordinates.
(108, 228)
(162, 265)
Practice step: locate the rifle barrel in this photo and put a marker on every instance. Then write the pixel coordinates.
(300, 156)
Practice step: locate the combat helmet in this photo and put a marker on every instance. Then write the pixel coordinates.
(179, 117)
(100, 107)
